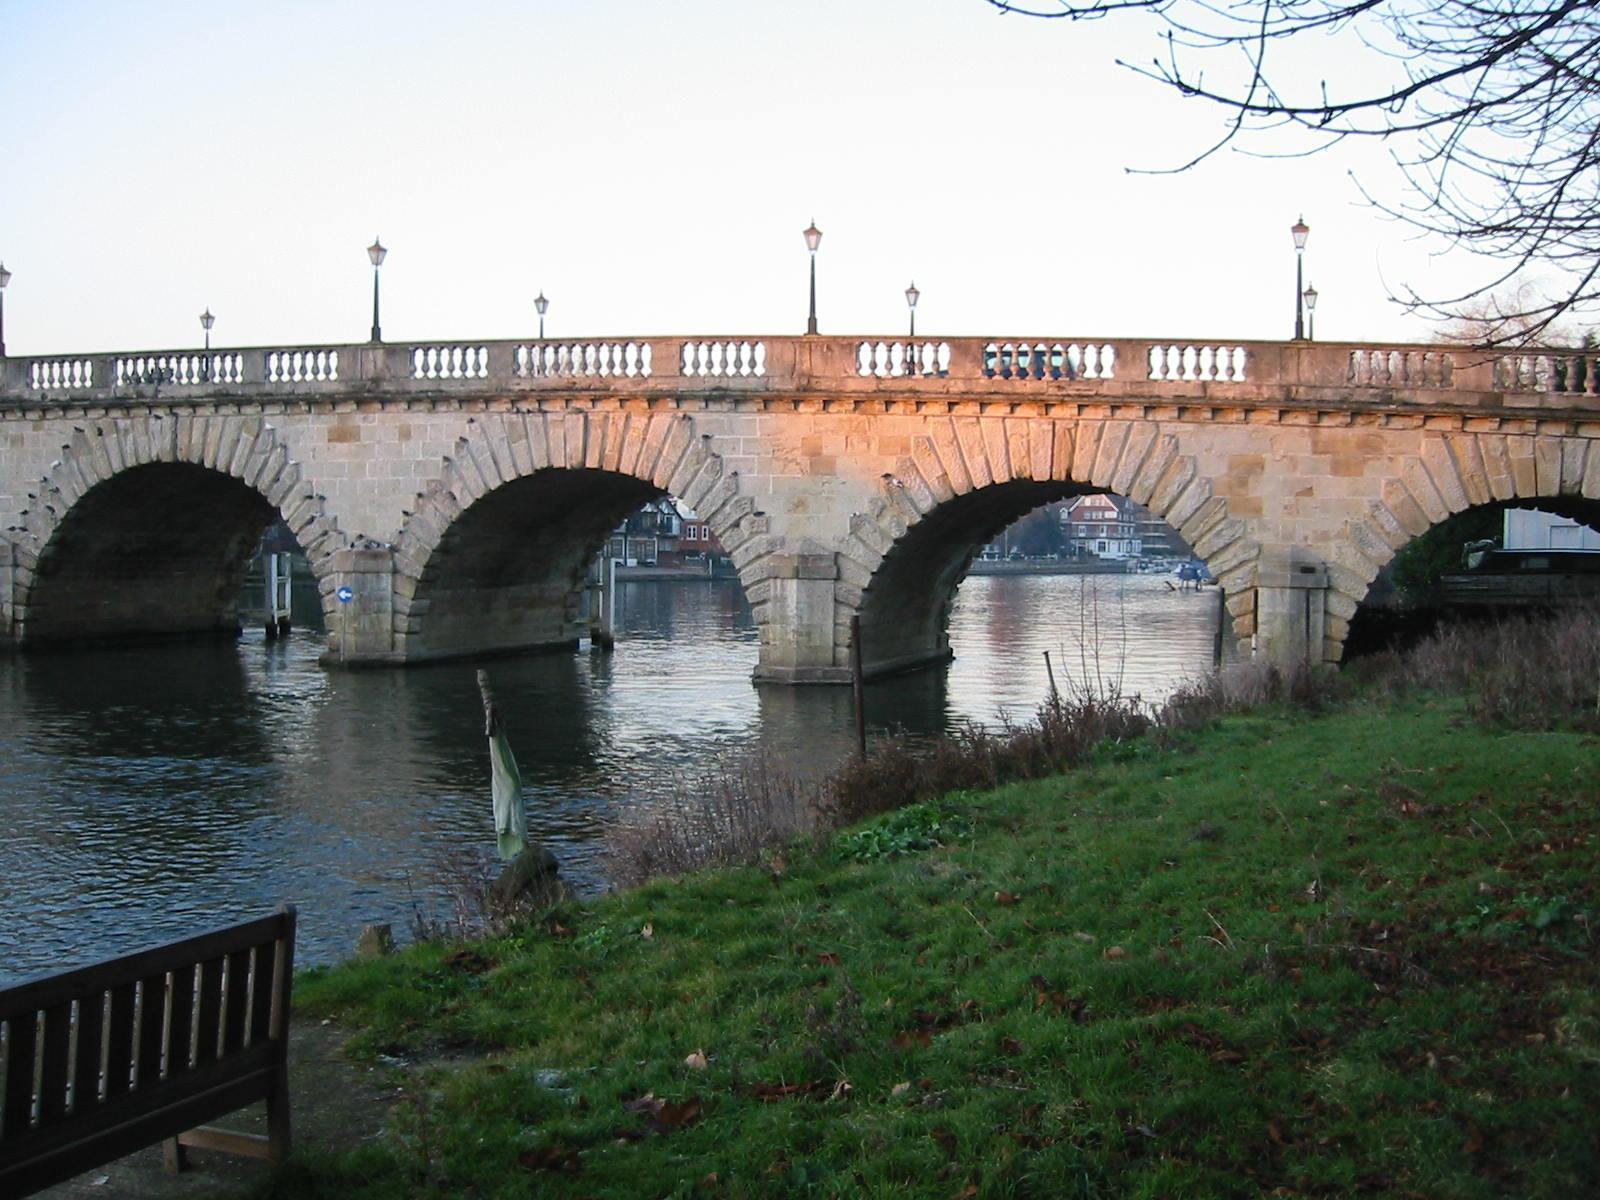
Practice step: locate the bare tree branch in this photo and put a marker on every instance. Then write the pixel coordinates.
(1491, 107)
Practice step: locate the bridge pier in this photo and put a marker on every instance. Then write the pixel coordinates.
(1291, 607)
(360, 629)
(801, 632)
(8, 575)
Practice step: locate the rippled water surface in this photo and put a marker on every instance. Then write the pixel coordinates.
(147, 793)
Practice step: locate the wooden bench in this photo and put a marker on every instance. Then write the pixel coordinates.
(101, 1061)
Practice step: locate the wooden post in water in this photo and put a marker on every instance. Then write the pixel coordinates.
(603, 604)
(1055, 696)
(856, 689)
(1222, 615)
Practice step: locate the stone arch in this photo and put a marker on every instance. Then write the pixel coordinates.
(1452, 472)
(959, 462)
(245, 450)
(620, 457)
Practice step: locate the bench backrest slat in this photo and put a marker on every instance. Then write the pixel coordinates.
(237, 993)
(208, 1016)
(180, 1041)
(22, 1039)
(263, 973)
(152, 1027)
(119, 1041)
(54, 1061)
(89, 1056)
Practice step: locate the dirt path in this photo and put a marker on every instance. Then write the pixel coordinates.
(333, 1104)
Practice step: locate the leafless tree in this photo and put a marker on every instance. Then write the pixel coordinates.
(1499, 318)
(1490, 108)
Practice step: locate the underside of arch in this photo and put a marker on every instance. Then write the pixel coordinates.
(145, 525)
(970, 477)
(509, 572)
(160, 549)
(905, 611)
(494, 557)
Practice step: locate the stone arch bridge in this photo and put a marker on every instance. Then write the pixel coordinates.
(460, 490)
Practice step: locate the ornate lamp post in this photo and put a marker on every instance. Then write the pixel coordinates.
(1299, 230)
(206, 322)
(1310, 298)
(541, 305)
(912, 296)
(5, 278)
(376, 253)
(813, 237)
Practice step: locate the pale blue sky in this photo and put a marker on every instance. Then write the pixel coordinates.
(650, 166)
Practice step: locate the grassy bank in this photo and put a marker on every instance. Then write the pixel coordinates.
(1328, 956)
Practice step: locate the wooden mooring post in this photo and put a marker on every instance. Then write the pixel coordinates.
(856, 690)
(1222, 616)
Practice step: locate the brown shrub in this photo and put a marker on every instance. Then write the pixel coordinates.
(1246, 686)
(1530, 671)
(729, 815)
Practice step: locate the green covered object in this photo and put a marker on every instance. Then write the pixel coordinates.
(510, 813)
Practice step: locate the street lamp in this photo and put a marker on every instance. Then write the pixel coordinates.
(813, 237)
(541, 305)
(1310, 298)
(1299, 230)
(5, 278)
(206, 322)
(376, 253)
(912, 296)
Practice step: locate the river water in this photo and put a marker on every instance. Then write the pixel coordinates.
(150, 792)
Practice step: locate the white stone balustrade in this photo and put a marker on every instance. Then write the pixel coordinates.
(450, 362)
(1117, 369)
(897, 360)
(1379, 367)
(582, 360)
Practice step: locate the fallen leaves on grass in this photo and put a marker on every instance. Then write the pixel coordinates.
(664, 1116)
(469, 961)
(1046, 996)
(549, 1158)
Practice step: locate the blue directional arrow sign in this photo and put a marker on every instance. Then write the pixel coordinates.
(345, 595)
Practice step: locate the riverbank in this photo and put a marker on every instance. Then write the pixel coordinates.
(1336, 955)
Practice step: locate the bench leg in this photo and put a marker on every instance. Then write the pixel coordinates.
(278, 1120)
(174, 1156)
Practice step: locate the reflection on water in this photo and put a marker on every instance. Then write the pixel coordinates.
(155, 791)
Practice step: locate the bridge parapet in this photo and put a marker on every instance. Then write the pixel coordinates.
(1113, 369)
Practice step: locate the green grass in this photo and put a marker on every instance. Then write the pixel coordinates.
(1337, 956)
